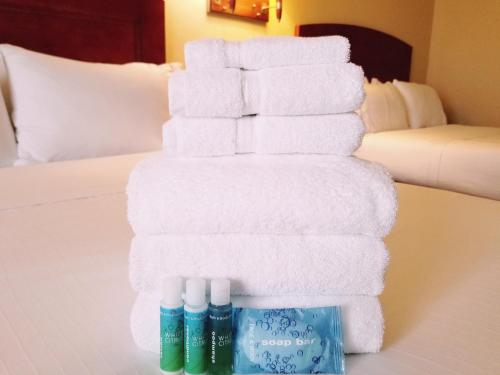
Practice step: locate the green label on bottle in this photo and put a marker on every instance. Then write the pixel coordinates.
(220, 327)
(171, 339)
(195, 342)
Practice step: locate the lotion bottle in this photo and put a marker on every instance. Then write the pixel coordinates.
(220, 326)
(196, 328)
(172, 327)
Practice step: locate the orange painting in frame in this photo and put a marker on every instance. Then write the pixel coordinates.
(253, 9)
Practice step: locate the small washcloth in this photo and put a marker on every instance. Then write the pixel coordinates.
(362, 318)
(261, 194)
(292, 90)
(268, 52)
(262, 265)
(339, 134)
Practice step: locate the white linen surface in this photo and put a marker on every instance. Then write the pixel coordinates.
(8, 147)
(67, 109)
(263, 265)
(68, 180)
(260, 53)
(383, 108)
(285, 91)
(338, 134)
(66, 300)
(65, 296)
(299, 194)
(460, 158)
(423, 105)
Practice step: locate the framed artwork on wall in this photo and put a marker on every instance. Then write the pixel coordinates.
(252, 9)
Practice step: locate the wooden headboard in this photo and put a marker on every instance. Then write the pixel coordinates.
(112, 31)
(381, 55)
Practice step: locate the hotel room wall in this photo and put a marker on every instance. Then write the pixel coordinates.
(464, 60)
(409, 20)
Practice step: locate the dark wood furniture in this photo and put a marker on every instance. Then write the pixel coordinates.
(112, 31)
(381, 55)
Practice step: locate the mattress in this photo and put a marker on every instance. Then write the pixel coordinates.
(65, 298)
(460, 158)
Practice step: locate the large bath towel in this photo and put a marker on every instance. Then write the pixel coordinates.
(362, 319)
(292, 90)
(263, 265)
(254, 194)
(339, 134)
(260, 53)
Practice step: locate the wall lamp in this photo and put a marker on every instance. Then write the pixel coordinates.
(279, 8)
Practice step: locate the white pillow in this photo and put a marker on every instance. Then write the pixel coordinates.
(67, 109)
(8, 148)
(383, 108)
(422, 104)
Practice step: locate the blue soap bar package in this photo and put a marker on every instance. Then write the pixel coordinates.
(288, 341)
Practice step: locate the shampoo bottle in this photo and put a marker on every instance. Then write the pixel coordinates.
(220, 325)
(172, 327)
(196, 328)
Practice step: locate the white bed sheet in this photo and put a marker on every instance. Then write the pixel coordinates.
(460, 158)
(64, 290)
(65, 298)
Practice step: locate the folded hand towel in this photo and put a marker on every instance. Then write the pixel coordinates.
(339, 134)
(362, 319)
(292, 90)
(260, 53)
(254, 194)
(262, 265)
(216, 93)
(200, 136)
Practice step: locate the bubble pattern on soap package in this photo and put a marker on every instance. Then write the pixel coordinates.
(288, 341)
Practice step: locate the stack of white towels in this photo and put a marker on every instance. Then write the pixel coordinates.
(257, 184)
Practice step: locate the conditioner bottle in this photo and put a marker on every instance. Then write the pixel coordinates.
(196, 329)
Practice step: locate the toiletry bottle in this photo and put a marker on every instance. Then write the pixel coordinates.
(172, 327)
(220, 326)
(195, 328)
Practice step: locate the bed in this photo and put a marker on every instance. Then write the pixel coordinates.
(66, 300)
(454, 157)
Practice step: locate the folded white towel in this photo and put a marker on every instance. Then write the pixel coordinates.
(254, 194)
(216, 93)
(260, 53)
(339, 134)
(362, 319)
(292, 90)
(263, 265)
(200, 136)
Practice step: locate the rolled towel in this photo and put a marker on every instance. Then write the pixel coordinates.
(292, 90)
(268, 52)
(263, 265)
(255, 194)
(362, 318)
(339, 134)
